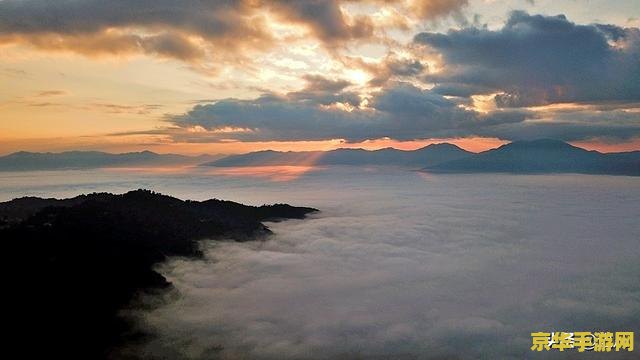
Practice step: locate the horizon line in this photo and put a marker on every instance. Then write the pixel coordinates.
(194, 155)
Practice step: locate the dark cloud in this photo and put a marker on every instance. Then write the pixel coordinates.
(207, 18)
(537, 60)
(409, 67)
(320, 83)
(393, 67)
(331, 24)
(326, 19)
(169, 45)
(272, 117)
(401, 111)
(157, 27)
(611, 125)
(461, 90)
(323, 91)
(172, 45)
(164, 27)
(97, 27)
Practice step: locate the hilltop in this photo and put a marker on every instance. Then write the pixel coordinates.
(76, 263)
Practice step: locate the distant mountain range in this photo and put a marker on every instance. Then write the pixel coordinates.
(426, 156)
(25, 161)
(537, 156)
(543, 156)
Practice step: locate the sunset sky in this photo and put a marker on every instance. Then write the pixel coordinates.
(203, 76)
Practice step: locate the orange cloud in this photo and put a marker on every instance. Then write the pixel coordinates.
(432, 9)
(189, 30)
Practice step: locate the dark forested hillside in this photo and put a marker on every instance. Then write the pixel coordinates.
(73, 264)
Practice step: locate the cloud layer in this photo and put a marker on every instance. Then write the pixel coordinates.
(185, 30)
(540, 60)
(400, 266)
(401, 111)
(353, 69)
(521, 70)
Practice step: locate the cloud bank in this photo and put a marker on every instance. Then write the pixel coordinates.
(400, 266)
(519, 71)
(539, 60)
(401, 111)
(186, 30)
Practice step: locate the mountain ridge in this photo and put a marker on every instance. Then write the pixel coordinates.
(430, 154)
(524, 156)
(79, 159)
(543, 156)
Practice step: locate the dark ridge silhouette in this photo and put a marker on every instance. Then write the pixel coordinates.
(73, 265)
(26, 161)
(544, 156)
(426, 156)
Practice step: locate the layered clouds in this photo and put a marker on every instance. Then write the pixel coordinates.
(168, 28)
(400, 111)
(357, 69)
(536, 76)
(186, 30)
(539, 60)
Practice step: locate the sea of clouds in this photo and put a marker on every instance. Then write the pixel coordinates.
(397, 265)
(407, 265)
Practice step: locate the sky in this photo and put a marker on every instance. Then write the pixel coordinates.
(242, 75)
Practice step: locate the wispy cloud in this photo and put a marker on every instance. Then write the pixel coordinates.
(48, 93)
